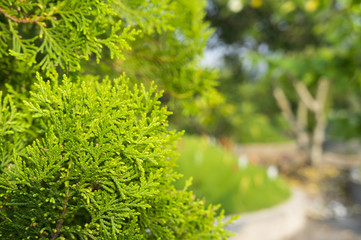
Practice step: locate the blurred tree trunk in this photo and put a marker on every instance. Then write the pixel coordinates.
(303, 139)
(299, 124)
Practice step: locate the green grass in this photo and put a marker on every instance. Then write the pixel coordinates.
(218, 178)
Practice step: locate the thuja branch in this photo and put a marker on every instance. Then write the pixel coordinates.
(148, 82)
(61, 220)
(26, 20)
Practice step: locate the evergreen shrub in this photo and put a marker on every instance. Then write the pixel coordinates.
(103, 170)
(83, 158)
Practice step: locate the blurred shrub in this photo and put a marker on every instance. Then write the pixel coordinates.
(219, 178)
(247, 115)
(254, 126)
(345, 124)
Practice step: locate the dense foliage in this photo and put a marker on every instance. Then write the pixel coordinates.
(161, 40)
(87, 157)
(103, 169)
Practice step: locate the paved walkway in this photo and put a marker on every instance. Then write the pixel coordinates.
(348, 228)
(278, 222)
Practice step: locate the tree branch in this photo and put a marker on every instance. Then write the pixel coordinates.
(298, 124)
(302, 114)
(61, 220)
(306, 96)
(26, 20)
(285, 107)
(302, 136)
(322, 91)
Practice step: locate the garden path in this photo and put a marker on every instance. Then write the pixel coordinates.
(348, 228)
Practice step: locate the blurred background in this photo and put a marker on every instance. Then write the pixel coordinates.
(286, 116)
(269, 95)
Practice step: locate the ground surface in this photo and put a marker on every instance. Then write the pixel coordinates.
(348, 228)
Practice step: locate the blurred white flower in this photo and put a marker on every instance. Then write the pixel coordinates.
(243, 161)
(235, 5)
(272, 172)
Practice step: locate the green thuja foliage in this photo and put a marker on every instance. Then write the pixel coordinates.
(83, 158)
(15, 131)
(158, 41)
(49, 35)
(103, 170)
(172, 58)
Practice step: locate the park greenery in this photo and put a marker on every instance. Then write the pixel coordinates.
(291, 60)
(86, 156)
(220, 177)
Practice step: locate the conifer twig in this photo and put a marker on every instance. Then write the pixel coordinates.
(26, 20)
(61, 220)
